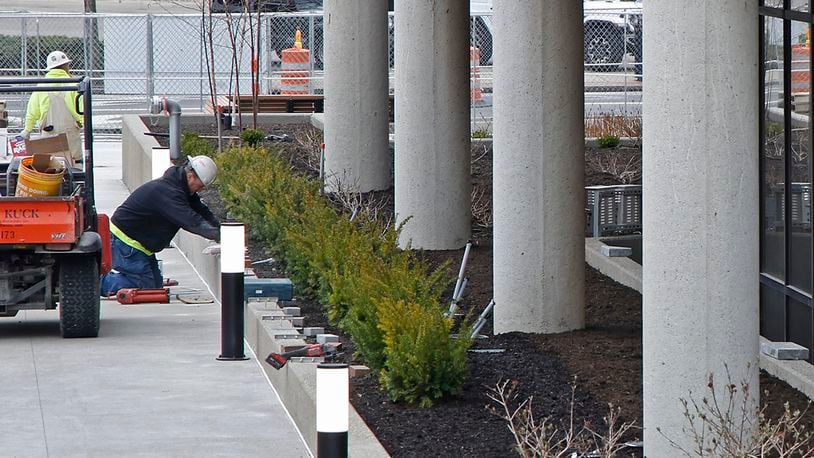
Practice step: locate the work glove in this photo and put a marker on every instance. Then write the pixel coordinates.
(25, 134)
(213, 249)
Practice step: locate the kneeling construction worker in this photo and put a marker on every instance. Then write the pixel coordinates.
(148, 220)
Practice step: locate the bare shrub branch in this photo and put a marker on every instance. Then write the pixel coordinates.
(481, 206)
(610, 443)
(311, 142)
(359, 206)
(542, 438)
(622, 165)
(732, 425)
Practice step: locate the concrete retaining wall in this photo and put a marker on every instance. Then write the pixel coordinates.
(623, 270)
(294, 382)
(799, 374)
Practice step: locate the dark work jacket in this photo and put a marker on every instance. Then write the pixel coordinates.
(156, 210)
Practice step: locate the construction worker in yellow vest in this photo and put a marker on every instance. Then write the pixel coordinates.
(55, 112)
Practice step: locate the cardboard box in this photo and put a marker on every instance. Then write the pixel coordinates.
(46, 163)
(17, 147)
(56, 146)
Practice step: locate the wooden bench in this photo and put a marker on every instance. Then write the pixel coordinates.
(312, 103)
(281, 104)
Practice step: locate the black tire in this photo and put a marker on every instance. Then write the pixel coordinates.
(604, 47)
(79, 312)
(482, 39)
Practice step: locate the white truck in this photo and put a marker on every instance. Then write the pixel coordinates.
(612, 30)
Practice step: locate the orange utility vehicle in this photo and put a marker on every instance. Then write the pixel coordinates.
(54, 249)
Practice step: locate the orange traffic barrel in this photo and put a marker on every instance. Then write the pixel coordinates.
(295, 68)
(800, 72)
(474, 74)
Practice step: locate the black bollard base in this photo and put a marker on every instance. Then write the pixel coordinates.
(232, 317)
(332, 445)
(232, 358)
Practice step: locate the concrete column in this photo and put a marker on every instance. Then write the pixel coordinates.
(432, 182)
(538, 166)
(357, 150)
(700, 213)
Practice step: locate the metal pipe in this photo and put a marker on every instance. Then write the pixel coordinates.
(42, 80)
(482, 319)
(149, 68)
(461, 290)
(458, 291)
(163, 104)
(453, 305)
(462, 269)
(86, 89)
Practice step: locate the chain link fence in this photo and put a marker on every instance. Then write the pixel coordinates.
(132, 58)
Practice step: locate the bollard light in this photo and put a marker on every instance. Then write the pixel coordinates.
(160, 161)
(333, 394)
(232, 265)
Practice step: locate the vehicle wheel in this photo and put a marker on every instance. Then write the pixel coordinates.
(604, 47)
(79, 297)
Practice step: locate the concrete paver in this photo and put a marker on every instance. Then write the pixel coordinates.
(149, 385)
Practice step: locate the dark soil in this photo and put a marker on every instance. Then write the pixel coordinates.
(605, 357)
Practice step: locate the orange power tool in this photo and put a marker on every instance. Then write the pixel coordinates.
(141, 296)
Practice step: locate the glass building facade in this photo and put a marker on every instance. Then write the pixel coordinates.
(786, 275)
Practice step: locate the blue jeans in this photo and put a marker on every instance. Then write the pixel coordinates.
(131, 269)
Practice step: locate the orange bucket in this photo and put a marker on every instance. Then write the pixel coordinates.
(31, 183)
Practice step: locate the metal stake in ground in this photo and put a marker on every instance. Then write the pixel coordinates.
(482, 319)
(460, 283)
(232, 265)
(332, 410)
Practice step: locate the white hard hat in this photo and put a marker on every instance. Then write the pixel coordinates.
(205, 168)
(56, 59)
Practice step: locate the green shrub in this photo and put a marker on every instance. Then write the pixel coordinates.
(423, 361)
(351, 267)
(608, 141)
(252, 137)
(773, 129)
(193, 145)
(482, 132)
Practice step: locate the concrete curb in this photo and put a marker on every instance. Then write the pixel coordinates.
(798, 374)
(623, 270)
(295, 382)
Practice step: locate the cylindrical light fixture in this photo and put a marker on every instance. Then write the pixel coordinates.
(160, 161)
(333, 393)
(232, 265)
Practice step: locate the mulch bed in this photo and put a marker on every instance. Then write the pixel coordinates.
(605, 357)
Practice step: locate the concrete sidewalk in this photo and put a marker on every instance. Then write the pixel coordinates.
(149, 385)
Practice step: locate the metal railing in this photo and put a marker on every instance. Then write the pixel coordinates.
(131, 58)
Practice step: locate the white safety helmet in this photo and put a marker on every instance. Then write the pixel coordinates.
(205, 168)
(56, 59)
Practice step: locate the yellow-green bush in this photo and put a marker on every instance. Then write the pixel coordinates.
(193, 145)
(424, 362)
(356, 269)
